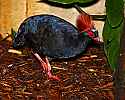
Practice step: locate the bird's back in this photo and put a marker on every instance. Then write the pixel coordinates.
(52, 36)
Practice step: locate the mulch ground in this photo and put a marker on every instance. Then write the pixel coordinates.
(87, 77)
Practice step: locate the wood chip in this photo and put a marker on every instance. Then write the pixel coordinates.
(59, 68)
(14, 51)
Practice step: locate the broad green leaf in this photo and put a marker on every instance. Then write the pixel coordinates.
(114, 11)
(107, 32)
(112, 43)
(71, 1)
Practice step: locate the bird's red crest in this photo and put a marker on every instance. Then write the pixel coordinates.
(84, 22)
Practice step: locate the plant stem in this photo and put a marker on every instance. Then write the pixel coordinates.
(94, 17)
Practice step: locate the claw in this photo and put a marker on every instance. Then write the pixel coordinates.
(46, 66)
(50, 76)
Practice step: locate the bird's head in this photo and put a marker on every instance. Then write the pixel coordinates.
(86, 27)
(18, 40)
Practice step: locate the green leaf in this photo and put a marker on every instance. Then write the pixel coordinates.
(114, 11)
(112, 30)
(107, 32)
(71, 1)
(111, 38)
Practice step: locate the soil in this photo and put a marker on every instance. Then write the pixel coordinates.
(87, 77)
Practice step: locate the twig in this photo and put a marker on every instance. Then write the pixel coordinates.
(79, 9)
(99, 17)
(4, 84)
(108, 85)
(94, 17)
(5, 38)
(59, 68)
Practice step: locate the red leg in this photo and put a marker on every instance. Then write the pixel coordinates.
(49, 70)
(43, 64)
(46, 66)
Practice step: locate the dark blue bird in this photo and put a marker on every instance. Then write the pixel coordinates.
(51, 36)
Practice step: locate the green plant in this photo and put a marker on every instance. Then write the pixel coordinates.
(112, 30)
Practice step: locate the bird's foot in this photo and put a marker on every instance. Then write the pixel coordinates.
(45, 66)
(52, 77)
(47, 69)
(48, 66)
